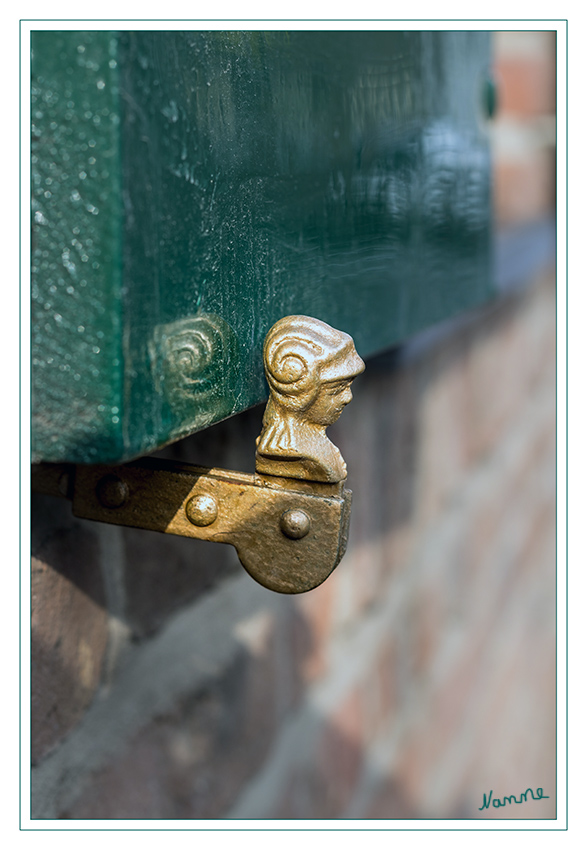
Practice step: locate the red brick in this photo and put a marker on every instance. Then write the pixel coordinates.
(511, 500)
(443, 442)
(340, 753)
(194, 760)
(502, 371)
(389, 802)
(69, 634)
(526, 84)
(164, 573)
(524, 187)
(382, 464)
(314, 615)
(379, 693)
(321, 784)
(518, 713)
(431, 616)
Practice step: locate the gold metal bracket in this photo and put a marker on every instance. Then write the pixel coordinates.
(289, 535)
(289, 521)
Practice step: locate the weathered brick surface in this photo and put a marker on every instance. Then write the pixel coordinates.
(449, 675)
(379, 691)
(524, 186)
(338, 758)
(526, 73)
(69, 624)
(164, 573)
(457, 665)
(314, 625)
(456, 405)
(322, 779)
(192, 760)
(389, 802)
(523, 132)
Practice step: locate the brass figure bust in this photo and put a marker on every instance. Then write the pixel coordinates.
(309, 367)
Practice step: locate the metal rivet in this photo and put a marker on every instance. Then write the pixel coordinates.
(295, 523)
(112, 491)
(201, 510)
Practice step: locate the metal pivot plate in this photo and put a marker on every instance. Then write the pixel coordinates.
(289, 535)
(289, 522)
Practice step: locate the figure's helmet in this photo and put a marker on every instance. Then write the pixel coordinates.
(301, 354)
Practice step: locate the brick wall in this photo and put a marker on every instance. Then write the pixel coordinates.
(167, 684)
(525, 132)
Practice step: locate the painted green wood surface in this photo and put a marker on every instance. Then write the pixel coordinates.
(191, 188)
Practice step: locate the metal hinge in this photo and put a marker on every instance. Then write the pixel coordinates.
(289, 521)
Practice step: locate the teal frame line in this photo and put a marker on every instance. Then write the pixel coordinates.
(348, 829)
(567, 411)
(20, 424)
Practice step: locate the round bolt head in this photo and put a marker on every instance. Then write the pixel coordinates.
(112, 492)
(295, 523)
(201, 510)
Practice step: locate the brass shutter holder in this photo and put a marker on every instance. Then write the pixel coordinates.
(289, 521)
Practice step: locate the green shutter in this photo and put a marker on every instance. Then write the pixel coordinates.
(191, 188)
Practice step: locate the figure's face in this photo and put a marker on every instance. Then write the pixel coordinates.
(330, 400)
